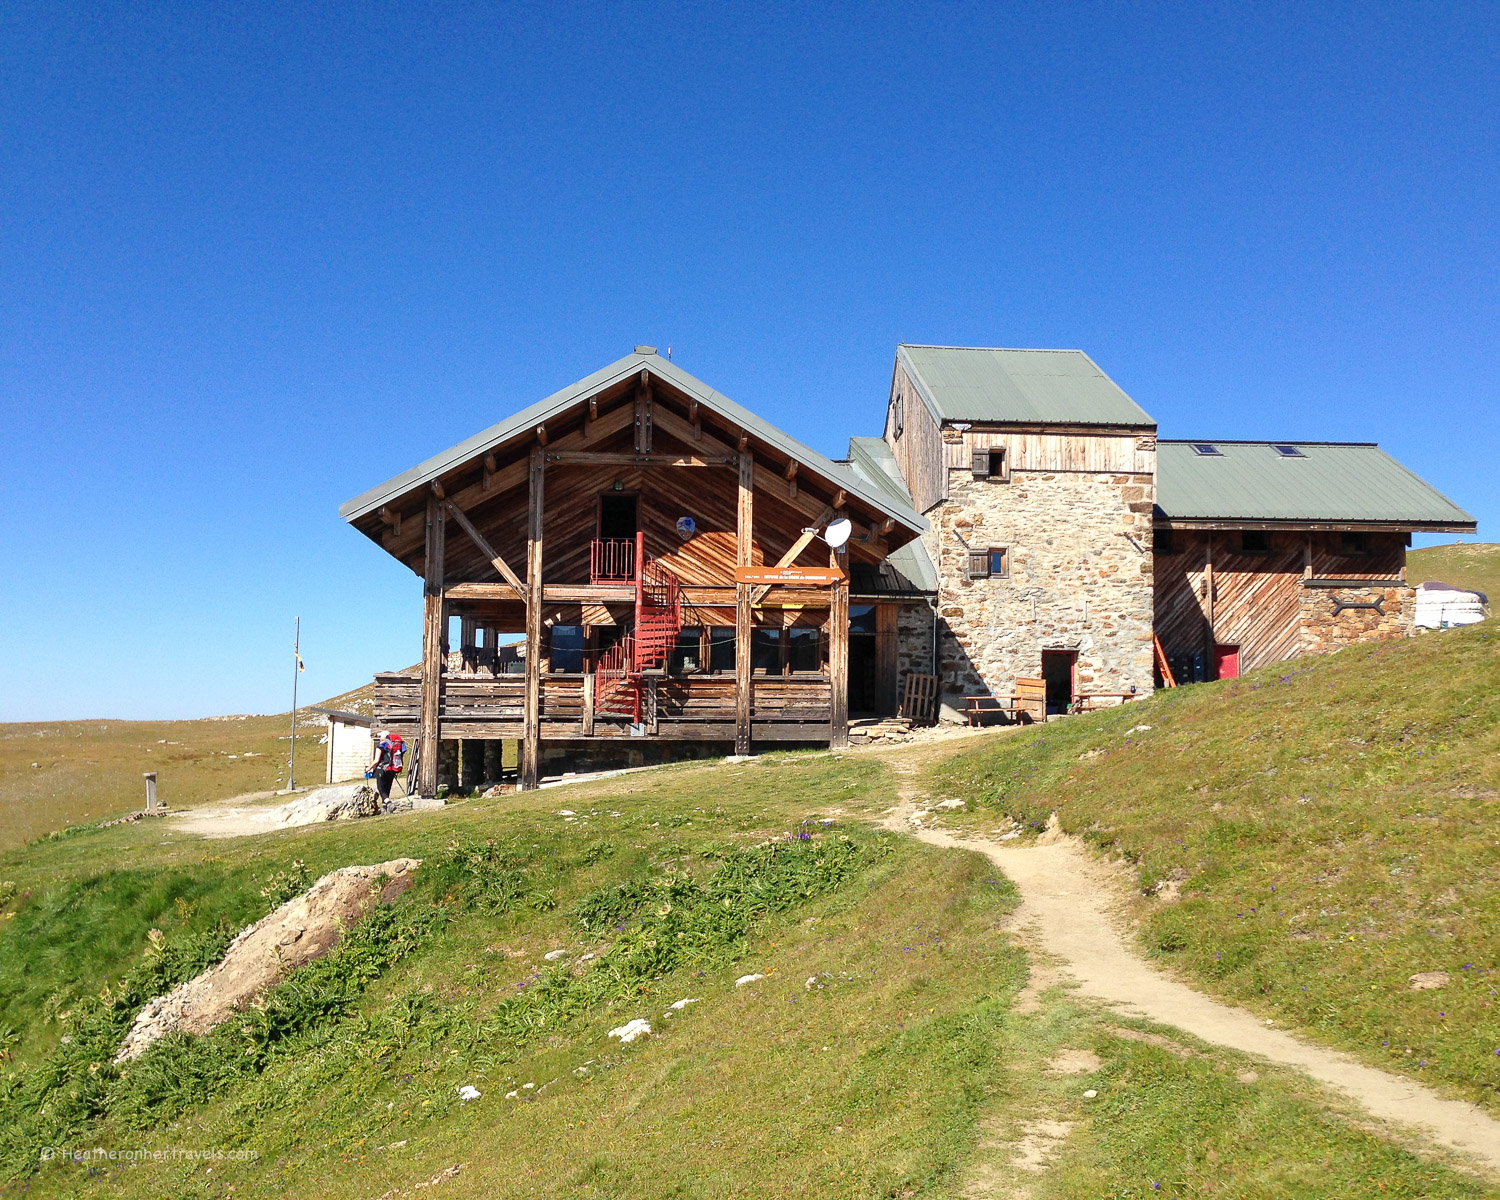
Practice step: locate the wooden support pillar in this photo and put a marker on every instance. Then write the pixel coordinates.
(838, 656)
(1208, 598)
(531, 750)
(434, 631)
(743, 557)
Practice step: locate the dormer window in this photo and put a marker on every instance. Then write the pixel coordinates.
(1207, 450)
(1288, 452)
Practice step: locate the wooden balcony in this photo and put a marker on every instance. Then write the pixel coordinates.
(684, 708)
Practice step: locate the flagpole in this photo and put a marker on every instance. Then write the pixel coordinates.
(291, 768)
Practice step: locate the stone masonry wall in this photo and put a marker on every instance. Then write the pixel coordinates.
(913, 642)
(1080, 579)
(1323, 631)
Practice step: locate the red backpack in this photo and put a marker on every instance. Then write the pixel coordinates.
(397, 747)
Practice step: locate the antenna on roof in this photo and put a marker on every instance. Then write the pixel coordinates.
(669, 351)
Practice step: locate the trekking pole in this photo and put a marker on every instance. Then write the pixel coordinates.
(291, 766)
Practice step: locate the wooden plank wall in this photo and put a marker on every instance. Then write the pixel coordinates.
(1257, 598)
(1110, 453)
(919, 449)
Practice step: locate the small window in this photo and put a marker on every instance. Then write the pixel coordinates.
(1288, 451)
(721, 650)
(979, 564)
(1255, 541)
(999, 563)
(861, 618)
(804, 651)
(1354, 544)
(687, 656)
(989, 463)
(1207, 450)
(567, 649)
(1162, 541)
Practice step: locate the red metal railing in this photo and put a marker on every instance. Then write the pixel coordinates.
(658, 620)
(612, 560)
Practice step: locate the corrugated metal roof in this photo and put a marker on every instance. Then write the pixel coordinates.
(543, 410)
(1059, 387)
(907, 569)
(1325, 482)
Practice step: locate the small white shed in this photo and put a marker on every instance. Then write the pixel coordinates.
(351, 744)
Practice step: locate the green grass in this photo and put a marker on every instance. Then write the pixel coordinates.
(881, 1055)
(1330, 826)
(1472, 565)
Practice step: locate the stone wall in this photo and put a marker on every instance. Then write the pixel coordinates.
(1323, 631)
(913, 642)
(1080, 578)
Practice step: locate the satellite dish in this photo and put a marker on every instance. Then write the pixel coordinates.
(838, 532)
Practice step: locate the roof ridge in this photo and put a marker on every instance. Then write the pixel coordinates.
(1211, 441)
(999, 349)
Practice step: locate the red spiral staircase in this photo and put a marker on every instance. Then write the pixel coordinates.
(618, 687)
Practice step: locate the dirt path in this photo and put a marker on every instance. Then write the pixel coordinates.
(1068, 898)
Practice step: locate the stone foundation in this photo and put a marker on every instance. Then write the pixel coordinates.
(1323, 631)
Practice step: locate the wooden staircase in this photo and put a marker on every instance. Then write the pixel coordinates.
(618, 686)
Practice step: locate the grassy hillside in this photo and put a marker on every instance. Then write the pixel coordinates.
(1329, 828)
(1475, 566)
(884, 1052)
(55, 774)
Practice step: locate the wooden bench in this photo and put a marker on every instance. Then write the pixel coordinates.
(1029, 700)
(1094, 701)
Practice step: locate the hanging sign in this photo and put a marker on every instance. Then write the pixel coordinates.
(790, 576)
(686, 528)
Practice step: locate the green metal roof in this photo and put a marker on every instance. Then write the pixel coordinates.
(911, 569)
(540, 412)
(1329, 483)
(1052, 387)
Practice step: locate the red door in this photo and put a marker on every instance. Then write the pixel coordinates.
(1226, 662)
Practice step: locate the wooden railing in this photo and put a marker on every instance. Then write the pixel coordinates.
(494, 706)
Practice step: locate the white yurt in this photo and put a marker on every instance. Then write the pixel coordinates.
(1443, 606)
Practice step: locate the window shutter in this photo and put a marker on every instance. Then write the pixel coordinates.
(979, 464)
(979, 564)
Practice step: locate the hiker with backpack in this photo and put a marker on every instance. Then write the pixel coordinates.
(390, 751)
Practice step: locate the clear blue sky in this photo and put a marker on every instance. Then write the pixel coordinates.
(255, 259)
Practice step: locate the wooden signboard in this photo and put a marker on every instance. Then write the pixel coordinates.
(792, 576)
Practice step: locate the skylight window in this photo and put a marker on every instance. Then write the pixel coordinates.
(1288, 451)
(1207, 450)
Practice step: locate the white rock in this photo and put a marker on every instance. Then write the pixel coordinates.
(468, 1092)
(1138, 729)
(511, 1095)
(631, 1030)
(1090, 1094)
(679, 1005)
(566, 812)
(744, 979)
(951, 804)
(554, 955)
(527, 1086)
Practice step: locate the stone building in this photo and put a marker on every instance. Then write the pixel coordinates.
(1065, 543)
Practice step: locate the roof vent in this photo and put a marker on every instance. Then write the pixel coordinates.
(645, 349)
(1207, 450)
(1288, 451)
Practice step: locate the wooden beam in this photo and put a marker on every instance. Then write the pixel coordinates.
(643, 414)
(531, 749)
(485, 548)
(392, 518)
(510, 476)
(489, 472)
(743, 546)
(434, 629)
(887, 525)
(798, 547)
(586, 458)
(437, 489)
(790, 475)
(838, 656)
(744, 443)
